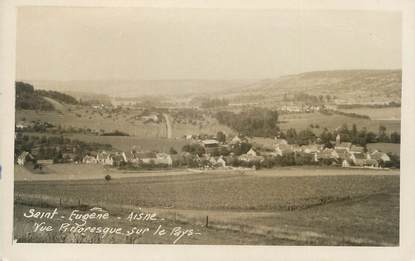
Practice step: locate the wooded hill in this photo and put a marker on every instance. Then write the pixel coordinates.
(348, 86)
(27, 98)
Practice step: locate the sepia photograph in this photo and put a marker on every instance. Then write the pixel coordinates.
(207, 126)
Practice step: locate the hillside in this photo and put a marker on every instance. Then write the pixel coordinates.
(349, 86)
(27, 98)
(136, 88)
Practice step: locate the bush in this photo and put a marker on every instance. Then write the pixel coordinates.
(172, 151)
(394, 162)
(107, 177)
(115, 133)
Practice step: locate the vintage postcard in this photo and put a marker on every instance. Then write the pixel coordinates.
(185, 125)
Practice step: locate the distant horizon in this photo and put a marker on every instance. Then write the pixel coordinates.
(205, 79)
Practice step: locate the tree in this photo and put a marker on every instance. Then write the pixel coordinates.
(291, 136)
(361, 137)
(221, 137)
(195, 149)
(328, 98)
(241, 148)
(258, 122)
(394, 162)
(172, 151)
(395, 137)
(306, 137)
(326, 137)
(371, 137)
(355, 135)
(288, 159)
(354, 130)
(382, 137)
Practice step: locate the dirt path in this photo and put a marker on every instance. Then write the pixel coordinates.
(57, 105)
(168, 125)
(91, 172)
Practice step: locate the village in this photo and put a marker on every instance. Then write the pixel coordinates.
(208, 152)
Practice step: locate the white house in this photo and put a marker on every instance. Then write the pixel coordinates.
(221, 162)
(280, 141)
(345, 164)
(251, 152)
(21, 160)
(380, 156)
(163, 158)
(105, 158)
(89, 160)
(236, 140)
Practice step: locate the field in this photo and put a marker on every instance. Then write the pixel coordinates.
(84, 117)
(86, 172)
(217, 191)
(301, 121)
(285, 203)
(386, 147)
(391, 113)
(125, 143)
(211, 126)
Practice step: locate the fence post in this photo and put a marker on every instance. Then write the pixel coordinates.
(79, 202)
(60, 202)
(207, 221)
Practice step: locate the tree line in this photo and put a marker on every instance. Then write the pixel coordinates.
(213, 103)
(58, 96)
(262, 122)
(309, 99)
(354, 135)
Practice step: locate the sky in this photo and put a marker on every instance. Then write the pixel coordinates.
(84, 43)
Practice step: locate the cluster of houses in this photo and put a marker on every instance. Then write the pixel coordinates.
(293, 108)
(343, 154)
(299, 108)
(133, 157)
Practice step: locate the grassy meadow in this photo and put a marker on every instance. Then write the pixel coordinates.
(86, 117)
(389, 113)
(210, 126)
(125, 121)
(125, 143)
(299, 209)
(224, 191)
(386, 147)
(300, 121)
